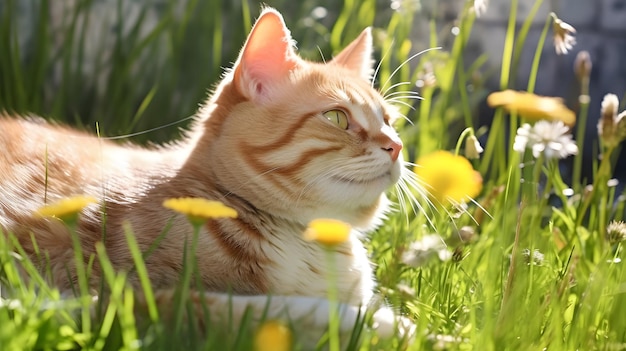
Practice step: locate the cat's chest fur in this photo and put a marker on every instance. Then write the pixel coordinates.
(304, 268)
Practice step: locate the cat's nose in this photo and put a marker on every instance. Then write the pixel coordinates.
(393, 147)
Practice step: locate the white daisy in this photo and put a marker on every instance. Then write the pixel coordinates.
(552, 139)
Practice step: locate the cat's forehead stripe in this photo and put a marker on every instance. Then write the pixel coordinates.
(369, 103)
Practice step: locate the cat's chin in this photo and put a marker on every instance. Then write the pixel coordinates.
(371, 183)
(360, 202)
(363, 218)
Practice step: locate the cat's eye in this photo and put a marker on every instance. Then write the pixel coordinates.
(338, 117)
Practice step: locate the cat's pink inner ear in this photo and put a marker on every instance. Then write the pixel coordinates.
(267, 57)
(357, 56)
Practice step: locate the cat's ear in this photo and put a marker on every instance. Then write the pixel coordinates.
(357, 56)
(267, 57)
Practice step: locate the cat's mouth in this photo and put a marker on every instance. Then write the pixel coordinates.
(363, 181)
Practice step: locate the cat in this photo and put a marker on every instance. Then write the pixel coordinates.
(281, 139)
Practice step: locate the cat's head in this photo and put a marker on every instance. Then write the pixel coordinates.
(301, 139)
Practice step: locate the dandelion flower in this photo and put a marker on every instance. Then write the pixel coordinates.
(272, 336)
(616, 232)
(532, 107)
(66, 209)
(611, 126)
(423, 251)
(448, 177)
(198, 210)
(564, 41)
(329, 232)
(552, 139)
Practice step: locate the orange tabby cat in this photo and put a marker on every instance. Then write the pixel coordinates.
(282, 140)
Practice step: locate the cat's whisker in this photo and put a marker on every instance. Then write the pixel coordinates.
(404, 190)
(462, 209)
(408, 93)
(405, 94)
(401, 197)
(404, 103)
(407, 119)
(481, 208)
(403, 194)
(319, 49)
(416, 206)
(404, 63)
(126, 136)
(422, 188)
(402, 98)
(384, 93)
(373, 81)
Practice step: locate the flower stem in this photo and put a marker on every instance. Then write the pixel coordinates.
(532, 78)
(467, 132)
(603, 176)
(333, 303)
(507, 52)
(599, 194)
(81, 276)
(581, 125)
(189, 259)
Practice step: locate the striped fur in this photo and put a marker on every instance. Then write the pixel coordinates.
(261, 145)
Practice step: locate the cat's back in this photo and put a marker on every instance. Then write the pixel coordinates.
(32, 140)
(41, 162)
(37, 155)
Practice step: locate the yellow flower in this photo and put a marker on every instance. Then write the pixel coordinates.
(66, 209)
(272, 336)
(533, 107)
(448, 178)
(198, 209)
(329, 232)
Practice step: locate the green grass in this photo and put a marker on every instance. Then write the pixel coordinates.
(489, 296)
